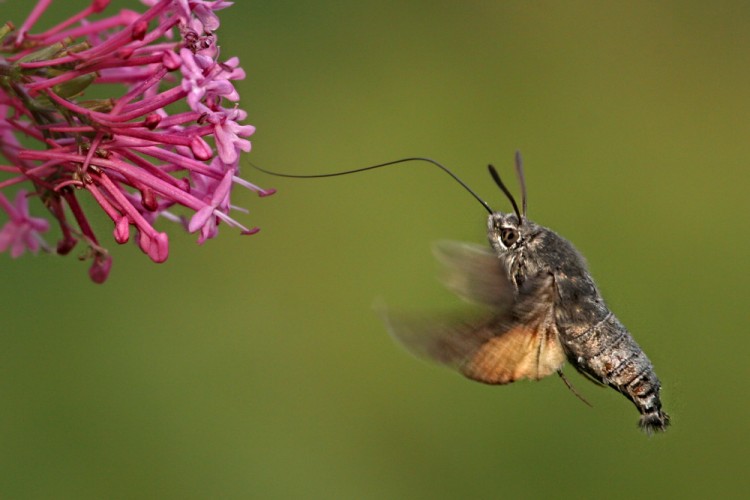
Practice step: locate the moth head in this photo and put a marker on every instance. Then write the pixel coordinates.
(507, 231)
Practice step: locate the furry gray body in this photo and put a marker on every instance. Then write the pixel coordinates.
(593, 339)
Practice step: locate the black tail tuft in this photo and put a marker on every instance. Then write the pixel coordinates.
(656, 421)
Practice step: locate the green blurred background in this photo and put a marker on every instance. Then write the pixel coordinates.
(255, 367)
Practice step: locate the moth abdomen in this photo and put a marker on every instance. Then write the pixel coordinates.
(643, 389)
(609, 354)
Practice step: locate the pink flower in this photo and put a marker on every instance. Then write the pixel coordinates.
(21, 232)
(228, 133)
(138, 161)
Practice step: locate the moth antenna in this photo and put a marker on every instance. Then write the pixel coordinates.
(380, 165)
(504, 189)
(522, 181)
(573, 389)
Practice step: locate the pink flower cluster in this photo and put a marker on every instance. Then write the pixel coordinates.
(163, 142)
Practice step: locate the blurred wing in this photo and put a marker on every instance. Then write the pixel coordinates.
(499, 349)
(486, 351)
(474, 273)
(519, 353)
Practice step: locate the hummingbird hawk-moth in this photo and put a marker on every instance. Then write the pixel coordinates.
(543, 308)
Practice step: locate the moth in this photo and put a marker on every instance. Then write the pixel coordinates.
(543, 309)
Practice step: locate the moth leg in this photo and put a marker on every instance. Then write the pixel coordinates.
(573, 389)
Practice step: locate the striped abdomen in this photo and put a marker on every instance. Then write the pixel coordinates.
(608, 353)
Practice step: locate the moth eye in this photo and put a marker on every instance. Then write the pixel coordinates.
(509, 236)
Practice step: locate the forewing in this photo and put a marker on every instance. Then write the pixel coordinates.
(447, 340)
(475, 274)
